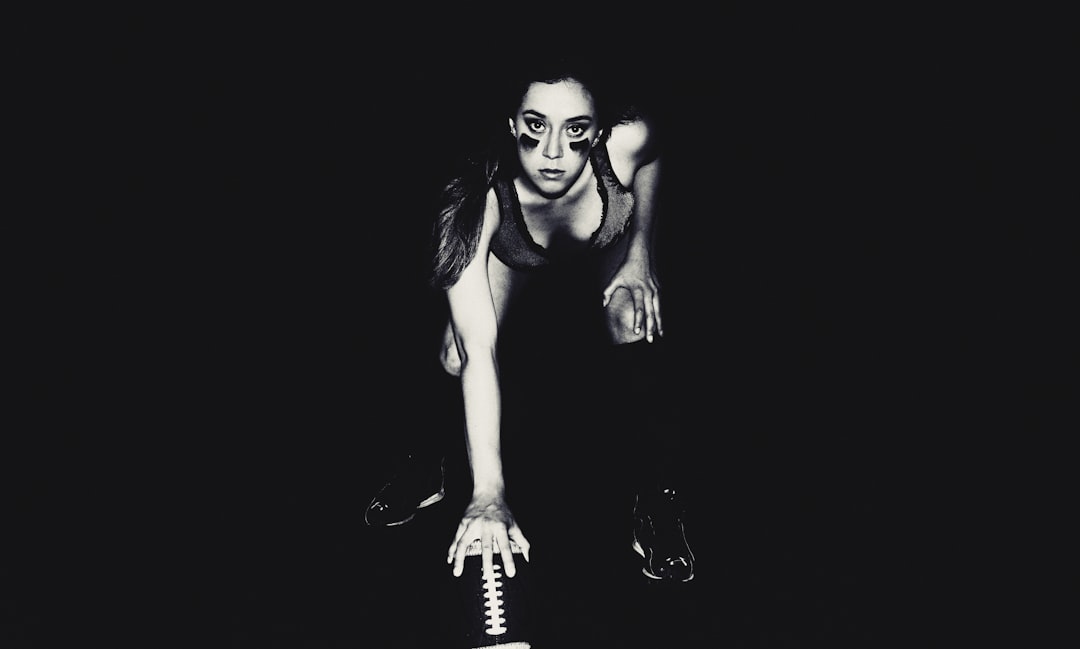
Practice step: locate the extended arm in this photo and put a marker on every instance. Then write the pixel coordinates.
(487, 517)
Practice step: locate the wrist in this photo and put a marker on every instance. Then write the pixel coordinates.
(638, 255)
(638, 244)
(488, 491)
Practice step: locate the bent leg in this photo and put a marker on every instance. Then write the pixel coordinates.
(619, 318)
(643, 377)
(646, 381)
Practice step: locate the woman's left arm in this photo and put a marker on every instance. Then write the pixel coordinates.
(637, 273)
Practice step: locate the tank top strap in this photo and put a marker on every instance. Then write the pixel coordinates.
(618, 200)
(512, 243)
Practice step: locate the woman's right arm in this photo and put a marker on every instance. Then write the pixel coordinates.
(472, 313)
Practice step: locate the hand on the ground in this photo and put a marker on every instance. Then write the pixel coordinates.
(637, 277)
(490, 521)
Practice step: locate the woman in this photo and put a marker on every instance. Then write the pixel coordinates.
(577, 185)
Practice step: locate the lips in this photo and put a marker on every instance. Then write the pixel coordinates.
(552, 174)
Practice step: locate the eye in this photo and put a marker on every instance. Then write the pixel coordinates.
(535, 125)
(575, 130)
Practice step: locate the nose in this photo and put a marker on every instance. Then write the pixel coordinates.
(553, 146)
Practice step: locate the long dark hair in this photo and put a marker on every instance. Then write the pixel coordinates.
(456, 233)
(456, 230)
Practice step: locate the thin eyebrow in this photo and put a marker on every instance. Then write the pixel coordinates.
(579, 118)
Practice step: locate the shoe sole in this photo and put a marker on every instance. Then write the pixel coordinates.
(645, 570)
(430, 500)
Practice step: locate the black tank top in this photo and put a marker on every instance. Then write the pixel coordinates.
(515, 247)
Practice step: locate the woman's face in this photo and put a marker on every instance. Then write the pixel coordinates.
(555, 127)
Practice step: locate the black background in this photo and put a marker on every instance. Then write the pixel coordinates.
(859, 264)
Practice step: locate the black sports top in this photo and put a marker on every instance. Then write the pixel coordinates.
(515, 247)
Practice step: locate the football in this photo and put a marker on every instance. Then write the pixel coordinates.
(494, 609)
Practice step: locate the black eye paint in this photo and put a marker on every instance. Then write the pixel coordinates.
(579, 146)
(527, 142)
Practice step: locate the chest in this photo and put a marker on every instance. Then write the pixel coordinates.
(565, 224)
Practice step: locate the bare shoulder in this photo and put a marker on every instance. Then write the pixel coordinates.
(631, 145)
(491, 204)
(492, 215)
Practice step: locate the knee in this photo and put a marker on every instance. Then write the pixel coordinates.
(450, 359)
(620, 319)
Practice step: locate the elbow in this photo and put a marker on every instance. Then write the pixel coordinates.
(455, 359)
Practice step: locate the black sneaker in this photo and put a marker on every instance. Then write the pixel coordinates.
(415, 485)
(660, 539)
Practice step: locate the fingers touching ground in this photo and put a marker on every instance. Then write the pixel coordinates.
(493, 537)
